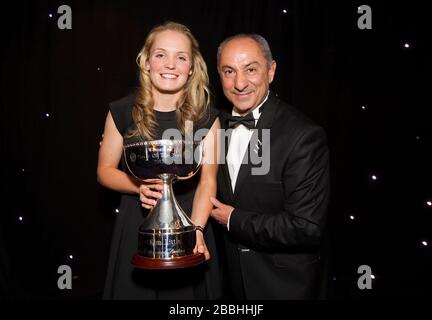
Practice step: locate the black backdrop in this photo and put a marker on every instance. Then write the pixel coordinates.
(56, 85)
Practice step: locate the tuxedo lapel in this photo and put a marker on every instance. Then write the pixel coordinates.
(255, 145)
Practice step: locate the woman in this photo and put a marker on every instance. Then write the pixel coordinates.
(173, 91)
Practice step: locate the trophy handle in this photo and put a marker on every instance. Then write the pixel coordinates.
(127, 165)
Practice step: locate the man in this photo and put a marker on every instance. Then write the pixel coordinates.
(275, 221)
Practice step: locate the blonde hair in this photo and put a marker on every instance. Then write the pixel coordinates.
(194, 102)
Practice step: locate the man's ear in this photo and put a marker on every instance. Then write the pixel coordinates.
(271, 71)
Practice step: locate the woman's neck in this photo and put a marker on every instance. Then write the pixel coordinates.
(165, 102)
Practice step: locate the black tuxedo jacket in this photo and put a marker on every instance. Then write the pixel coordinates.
(273, 245)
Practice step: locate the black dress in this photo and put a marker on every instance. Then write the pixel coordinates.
(123, 281)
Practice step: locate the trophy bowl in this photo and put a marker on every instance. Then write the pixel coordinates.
(167, 236)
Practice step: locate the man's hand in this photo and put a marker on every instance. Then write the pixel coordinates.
(221, 212)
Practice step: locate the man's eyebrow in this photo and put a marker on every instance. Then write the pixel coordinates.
(245, 67)
(226, 66)
(251, 63)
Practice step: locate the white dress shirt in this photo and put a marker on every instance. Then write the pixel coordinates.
(238, 146)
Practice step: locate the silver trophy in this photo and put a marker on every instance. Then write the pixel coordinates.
(167, 236)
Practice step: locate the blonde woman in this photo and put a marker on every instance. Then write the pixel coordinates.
(173, 91)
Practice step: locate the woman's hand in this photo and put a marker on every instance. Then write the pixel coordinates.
(200, 246)
(150, 192)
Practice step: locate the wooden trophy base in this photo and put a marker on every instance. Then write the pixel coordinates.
(167, 263)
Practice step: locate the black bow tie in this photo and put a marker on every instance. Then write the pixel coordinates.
(248, 121)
